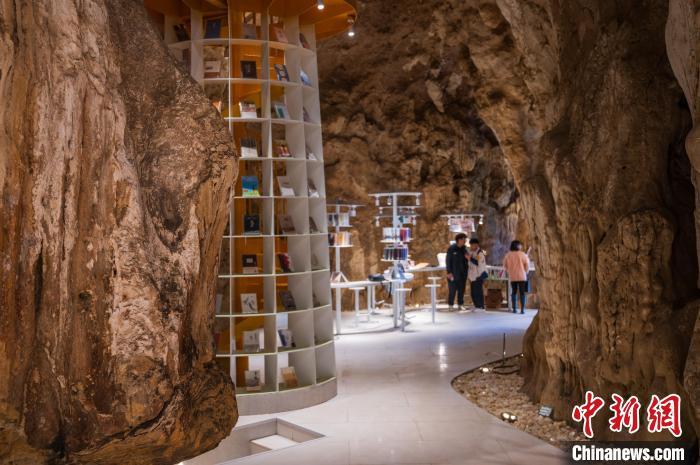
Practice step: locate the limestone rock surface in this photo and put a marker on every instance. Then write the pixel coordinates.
(588, 112)
(399, 114)
(114, 179)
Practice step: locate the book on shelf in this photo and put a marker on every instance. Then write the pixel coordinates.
(304, 78)
(212, 69)
(252, 380)
(286, 338)
(285, 262)
(286, 225)
(331, 239)
(249, 303)
(287, 300)
(281, 149)
(213, 28)
(251, 341)
(181, 32)
(286, 189)
(249, 69)
(313, 192)
(279, 110)
(307, 117)
(304, 43)
(251, 225)
(249, 264)
(249, 148)
(250, 31)
(248, 109)
(282, 73)
(278, 34)
(339, 219)
(289, 376)
(249, 186)
(313, 227)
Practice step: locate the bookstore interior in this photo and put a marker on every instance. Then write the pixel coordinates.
(275, 319)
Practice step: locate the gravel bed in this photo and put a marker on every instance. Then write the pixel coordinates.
(498, 393)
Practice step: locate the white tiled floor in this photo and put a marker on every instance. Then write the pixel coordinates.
(395, 404)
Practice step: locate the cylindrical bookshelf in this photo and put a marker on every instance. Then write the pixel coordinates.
(257, 63)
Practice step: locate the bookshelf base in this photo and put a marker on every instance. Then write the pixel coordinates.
(283, 401)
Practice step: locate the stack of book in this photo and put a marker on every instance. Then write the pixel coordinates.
(395, 253)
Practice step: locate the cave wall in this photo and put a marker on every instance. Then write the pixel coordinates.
(399, 114)
(114, 178)
(584, 104)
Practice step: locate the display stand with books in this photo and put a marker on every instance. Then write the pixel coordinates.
(257, 63)
(339, 215)
(398, 209)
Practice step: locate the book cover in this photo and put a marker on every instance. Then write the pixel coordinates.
(281, 149)
(249, 303)
(249, 185)
(282, 73)
(304, 43)
(251, 341)
(212, 69)
(251, 225)
(252, 380)
(286, 189)
(181, 32)
(286, 224)
(279, 34)
(279, 110)
(287, 300)
(304, 78)
(250, 31)
(249, 148)
(249, 264)
(313, 192)
(248, 109)
(249, 69)
(289, 375)
(331, 239)
(285, 262)
(313, 228)
(286, 338)
(212, 28)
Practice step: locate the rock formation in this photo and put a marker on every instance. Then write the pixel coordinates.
(114, 178)
(399, 115)
(586, 108)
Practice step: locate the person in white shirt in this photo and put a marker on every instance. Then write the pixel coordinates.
(477, 273)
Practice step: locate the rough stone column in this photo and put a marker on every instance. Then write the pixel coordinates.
(114, 179)
(585, 107)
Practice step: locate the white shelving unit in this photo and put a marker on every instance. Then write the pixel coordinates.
(217, 63)
(393, 206)
(339, 211)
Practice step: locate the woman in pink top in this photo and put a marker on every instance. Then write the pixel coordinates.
(517, 265)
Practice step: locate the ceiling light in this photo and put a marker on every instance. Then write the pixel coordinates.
(351, 23)
(320, 5)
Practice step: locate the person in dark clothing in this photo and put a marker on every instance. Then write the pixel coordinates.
(477, 273)
(457, 266)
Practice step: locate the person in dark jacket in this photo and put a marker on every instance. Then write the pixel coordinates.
(457, 265)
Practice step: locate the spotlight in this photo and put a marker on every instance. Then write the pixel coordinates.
(418, 201)
(376, 200)
(485, 369)
(509, 417)
(388, 201)
(320, 5)
(481, 220)
(351, 30)
(353, 212)
(376, 221)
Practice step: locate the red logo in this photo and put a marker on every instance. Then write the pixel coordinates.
(664, 414)
(587, 411)
(625, 414)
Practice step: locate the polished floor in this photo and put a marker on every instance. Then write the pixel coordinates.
(395, 404)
